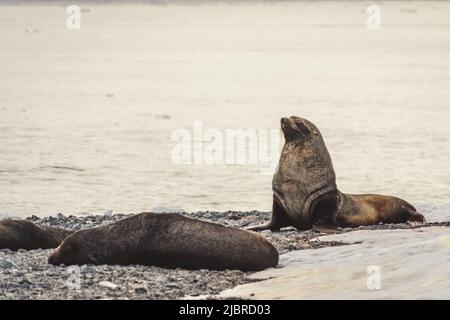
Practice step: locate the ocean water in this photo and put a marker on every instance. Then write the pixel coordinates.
(87, 116)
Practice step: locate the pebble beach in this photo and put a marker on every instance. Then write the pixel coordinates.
(27, 275)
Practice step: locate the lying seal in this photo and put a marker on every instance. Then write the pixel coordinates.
(365, 209)
(305, 192)
(22, 234)
(167, 240)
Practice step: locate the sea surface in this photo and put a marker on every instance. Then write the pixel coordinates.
(88, 116)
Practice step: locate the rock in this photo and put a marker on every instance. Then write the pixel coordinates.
(140, 290)
(6, 264)
(25, 282)
(108, 284)
(108, 213)
(244, 222)
(88, 269)
(166, 210)
(173, 285)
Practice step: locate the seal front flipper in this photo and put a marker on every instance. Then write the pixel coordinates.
(279, 219)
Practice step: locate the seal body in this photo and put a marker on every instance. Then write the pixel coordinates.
(368, 209)
(22, 234)
(167, 240)
(304, 176)
(305, 194)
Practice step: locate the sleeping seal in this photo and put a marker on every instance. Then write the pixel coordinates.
(305, 192)
(22, 234)
(167, 240)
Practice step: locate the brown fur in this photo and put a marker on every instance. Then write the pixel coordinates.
(305, 194)
(368, 209)
(167, 240)
(22, 234)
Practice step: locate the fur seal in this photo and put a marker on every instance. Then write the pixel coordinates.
(305, 194)
(354, 210)
(168, 240)
(22, 234)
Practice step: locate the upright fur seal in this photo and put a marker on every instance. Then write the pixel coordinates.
(167, 240)
(22, 234)
(305, 192)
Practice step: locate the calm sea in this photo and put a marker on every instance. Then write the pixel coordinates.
(87, 116)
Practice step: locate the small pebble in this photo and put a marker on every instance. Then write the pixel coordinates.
(6, 264)
(140, 290)
(108, 284)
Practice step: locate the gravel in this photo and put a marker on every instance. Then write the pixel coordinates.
(27, 275)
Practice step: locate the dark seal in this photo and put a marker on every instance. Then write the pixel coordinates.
(168, 240)
(305, 194)
(22, 234)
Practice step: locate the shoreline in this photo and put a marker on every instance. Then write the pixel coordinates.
(27, 275)
(384, 264)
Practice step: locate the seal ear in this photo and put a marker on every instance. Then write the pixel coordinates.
(310, 129)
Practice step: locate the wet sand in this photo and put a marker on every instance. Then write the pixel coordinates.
(382, 264)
